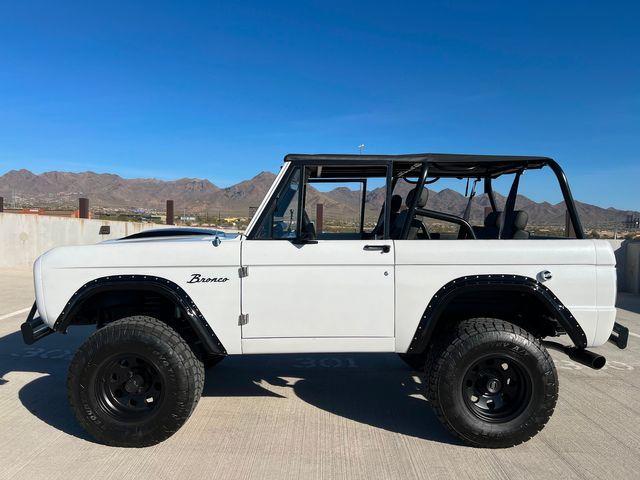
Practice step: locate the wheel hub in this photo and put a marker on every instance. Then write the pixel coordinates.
(496, 388)
(494, 385)
(129, 387)
(135, 384)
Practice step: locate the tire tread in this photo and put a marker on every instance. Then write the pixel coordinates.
(451, 342)
(152, 330)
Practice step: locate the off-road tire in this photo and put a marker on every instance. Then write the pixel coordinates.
(164, 353)
(471, 343)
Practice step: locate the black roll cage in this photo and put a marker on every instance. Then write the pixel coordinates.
(357, 168)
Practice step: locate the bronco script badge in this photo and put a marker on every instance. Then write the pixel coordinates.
(197, 278)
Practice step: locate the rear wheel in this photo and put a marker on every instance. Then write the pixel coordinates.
(492, 383)
(134, 382)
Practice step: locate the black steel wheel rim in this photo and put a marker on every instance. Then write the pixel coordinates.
(497, 388)
(129, 387)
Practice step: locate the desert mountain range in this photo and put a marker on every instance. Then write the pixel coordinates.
(62, 189)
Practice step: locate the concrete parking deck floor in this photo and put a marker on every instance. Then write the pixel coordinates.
(309, 416)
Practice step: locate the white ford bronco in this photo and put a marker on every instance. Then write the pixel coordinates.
(469, 298)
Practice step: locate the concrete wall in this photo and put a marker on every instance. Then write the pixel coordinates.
(632, 268)
(24, 237)
(621, 256)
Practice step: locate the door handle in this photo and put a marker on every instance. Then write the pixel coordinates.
(382, 248)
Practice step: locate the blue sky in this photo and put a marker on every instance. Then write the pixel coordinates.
(223, 90)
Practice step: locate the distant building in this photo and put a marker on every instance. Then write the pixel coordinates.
(632, 222)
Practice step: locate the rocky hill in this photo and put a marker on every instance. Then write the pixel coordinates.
(62, 189)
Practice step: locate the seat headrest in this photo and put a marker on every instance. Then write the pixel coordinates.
(422, 200)
(520, 219)
(396, 203)
(492, 219)
(517, 220)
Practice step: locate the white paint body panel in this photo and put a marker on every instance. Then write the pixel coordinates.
(422, 267)
(606, 281)
(333, 288)
(332, 296)
(66, 269)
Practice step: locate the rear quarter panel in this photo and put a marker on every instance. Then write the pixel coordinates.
(607, 287)
(423, 267)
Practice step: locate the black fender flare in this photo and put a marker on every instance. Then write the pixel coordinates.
(500, 282)
(159, 285)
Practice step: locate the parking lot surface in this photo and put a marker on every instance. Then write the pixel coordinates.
(309, 416)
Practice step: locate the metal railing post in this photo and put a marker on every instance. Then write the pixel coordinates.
(319, 217)
(83, 211)
(170, 219)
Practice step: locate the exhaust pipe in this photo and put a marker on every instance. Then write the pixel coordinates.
(580, 355)
(585, 357)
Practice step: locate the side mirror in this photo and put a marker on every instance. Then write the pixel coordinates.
(304, 239)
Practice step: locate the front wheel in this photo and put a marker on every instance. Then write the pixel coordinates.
(493, 384)
(134, 382)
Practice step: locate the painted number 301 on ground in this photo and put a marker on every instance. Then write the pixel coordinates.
(51, 354)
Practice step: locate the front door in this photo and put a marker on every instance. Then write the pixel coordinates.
(333, 288)
(317, 281)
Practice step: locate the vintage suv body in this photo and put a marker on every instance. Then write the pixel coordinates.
(470, 306)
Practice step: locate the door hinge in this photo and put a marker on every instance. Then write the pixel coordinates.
(243, 272)
(243, 319)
